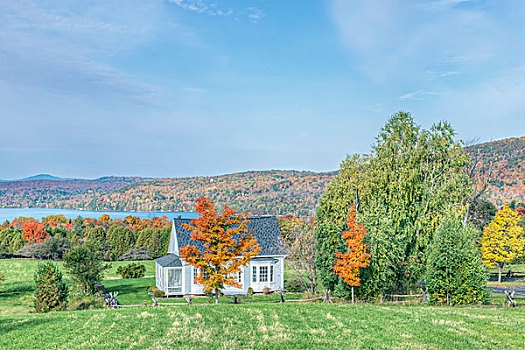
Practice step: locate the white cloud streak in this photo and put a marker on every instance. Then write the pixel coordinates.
(212, 8)
(62, 49)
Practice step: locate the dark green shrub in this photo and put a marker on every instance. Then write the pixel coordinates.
(295, 286)
(85, 267)
(50, 290)
(132, 270)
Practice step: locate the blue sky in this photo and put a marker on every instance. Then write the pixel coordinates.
(201, 87)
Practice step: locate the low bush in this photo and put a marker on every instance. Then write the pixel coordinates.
(51, 248)
(159, 293)
(295, 286)
(137, 254)
(86, 302)
(50, 290)
(250, 291)
(266, 290)
(132, 270)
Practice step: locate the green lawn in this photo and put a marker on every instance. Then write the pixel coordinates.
(269, 326)
(16, 292)
(256, 323)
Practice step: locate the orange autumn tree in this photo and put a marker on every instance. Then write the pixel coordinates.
(347, 264)
(33, 231)
(227, 244)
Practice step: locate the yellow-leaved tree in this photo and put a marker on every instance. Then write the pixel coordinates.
(502, 239)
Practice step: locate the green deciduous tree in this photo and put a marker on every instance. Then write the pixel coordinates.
(502, 239)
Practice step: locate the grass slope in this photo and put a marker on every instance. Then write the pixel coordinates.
(268, 326)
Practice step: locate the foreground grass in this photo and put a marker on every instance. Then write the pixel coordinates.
(269, 326)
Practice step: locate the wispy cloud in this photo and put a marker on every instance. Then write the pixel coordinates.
(400, 39)
(62, 49)
(254, 14)
(201, 6)
(213, 8)
(417, 95)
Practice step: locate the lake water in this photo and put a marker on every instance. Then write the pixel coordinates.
(38, 213)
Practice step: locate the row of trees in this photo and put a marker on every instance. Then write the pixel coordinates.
(420, 199)
(112, 238)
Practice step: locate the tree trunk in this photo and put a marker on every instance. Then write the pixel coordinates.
(216, 296)
(500, 270)
(353, 300)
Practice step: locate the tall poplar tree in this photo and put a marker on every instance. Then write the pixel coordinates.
(400, 190)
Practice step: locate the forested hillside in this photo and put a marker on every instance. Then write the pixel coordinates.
(259, 192)
(505, 159)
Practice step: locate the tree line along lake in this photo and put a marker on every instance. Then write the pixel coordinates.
(38, 213)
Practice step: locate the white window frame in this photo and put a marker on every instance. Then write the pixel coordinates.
(270, 273)
(169, 287)
(194, 274)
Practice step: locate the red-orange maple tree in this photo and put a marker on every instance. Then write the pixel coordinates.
(227, 245)
(347, 264)
(33, 231)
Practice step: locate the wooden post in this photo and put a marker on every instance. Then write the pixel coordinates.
(510, 302)
(281, 293)
(326, 298)
(353, 300)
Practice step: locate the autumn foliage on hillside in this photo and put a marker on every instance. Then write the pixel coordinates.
(274, 192)
(259, 192)
(506, 161)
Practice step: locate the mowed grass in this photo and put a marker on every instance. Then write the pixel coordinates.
(269, 326)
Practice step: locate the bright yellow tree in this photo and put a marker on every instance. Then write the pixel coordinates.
(502, 239)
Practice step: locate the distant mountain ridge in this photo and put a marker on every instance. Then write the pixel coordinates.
(39, 177)
(259, 192)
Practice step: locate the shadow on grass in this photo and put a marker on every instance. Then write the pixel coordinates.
(15, 290)
(8, 325)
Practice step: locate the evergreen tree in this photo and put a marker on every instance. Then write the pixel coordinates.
(120, 240)
(85, 267)
(455, 273)
(50, 290)
(79, 227)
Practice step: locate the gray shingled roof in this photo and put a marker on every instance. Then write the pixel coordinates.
(264, 228)
(170, 260)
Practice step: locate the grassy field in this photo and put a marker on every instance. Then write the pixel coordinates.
(256, 323)
(269, 326)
